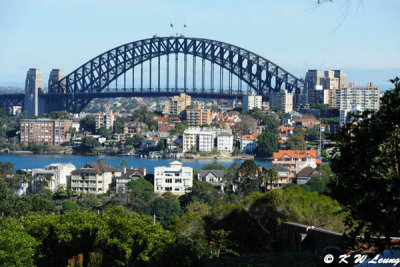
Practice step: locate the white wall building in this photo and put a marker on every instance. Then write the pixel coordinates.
(225, 142)
(248, 143)
(52, 177)
(175, 179)
(206, 141)
(251, 101)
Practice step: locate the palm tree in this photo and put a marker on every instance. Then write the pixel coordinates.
(270, 175)
(124, 164)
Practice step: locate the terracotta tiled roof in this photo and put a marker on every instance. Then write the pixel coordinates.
(129, 172)
(296, 154)
(249, 137)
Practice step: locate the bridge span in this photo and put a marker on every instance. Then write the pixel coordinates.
(169, 66)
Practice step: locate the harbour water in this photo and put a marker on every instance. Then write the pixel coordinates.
(29, 161)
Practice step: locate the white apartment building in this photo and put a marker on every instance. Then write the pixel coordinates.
(93, 178)
(225, 142)
(282, 100)
(175, 179)
(52, 177)
(206, 141)
(251, 101)
(248, 143)
(202, 139)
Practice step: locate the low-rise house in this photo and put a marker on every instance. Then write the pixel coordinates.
(307, 122)
(307, 173)
(176, 179)
(295, 160)
(94, 178)
(214, 177)
(127, 176)
(248, 143)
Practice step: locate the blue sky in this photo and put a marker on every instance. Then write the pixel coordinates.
(359, 36)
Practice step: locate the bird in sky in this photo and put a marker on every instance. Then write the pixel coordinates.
(172, 25)
(184, 25)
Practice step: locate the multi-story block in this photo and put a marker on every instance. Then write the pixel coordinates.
(282, 100)
(93, 178)
(104, 120)
(252, 101)
(52, 177)
(295, 160)
(51, 132)
(177, 104)
(198, 116)
(205, 141)
(175, 179)
(225, 142)
(248, 143)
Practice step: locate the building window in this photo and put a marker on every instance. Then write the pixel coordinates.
(168, 189)
(168, 181)
(178, 181)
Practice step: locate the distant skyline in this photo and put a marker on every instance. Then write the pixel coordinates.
(360, 37)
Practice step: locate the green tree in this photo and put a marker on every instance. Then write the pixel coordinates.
(89, 144)
(202, 192)
(366, 162)
(180, 127)
(134, 141)
(312, 134)
(163, 208)
(296, 141)
(17, 247)
(271, 123)
(88, 123)
(119, 124)
(104, 132)
(141, 193)
(63, 114)
(267, 143)
(214, 166)
(270, 175)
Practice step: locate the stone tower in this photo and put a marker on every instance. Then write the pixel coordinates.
(33, 88)
(55, 76)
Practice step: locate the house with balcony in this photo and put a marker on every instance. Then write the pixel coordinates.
(94, 178)
(127, 176)
(176, 179)
(295, 160)
(248, 143)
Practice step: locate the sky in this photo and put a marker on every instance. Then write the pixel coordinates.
(360, 37)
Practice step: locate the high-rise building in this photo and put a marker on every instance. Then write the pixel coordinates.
(251, 101)
(342, 78)
(104, 120)
(33, 87)
(177, 104)
(55, 76)
(330, 81)
(313, 79)
(360, 97)
(52, 132)
(282, 100)
(197, 116)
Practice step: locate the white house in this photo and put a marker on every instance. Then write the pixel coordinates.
(248, 143)
(214, 177)
(93, 178)
(175, 179)
(58, 176)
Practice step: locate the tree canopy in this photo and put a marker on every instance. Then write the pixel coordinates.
(366, 162)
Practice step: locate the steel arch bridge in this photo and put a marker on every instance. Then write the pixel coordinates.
(93, 79)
